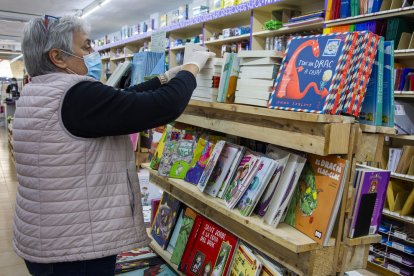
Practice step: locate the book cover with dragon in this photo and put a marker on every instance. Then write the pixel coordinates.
(307, 73)
(210, 251)
(312, 207)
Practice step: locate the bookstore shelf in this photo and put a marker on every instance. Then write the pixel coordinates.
(402, 137)
(396, 216)
(105, 58)
(363, 240)
(406, 12)
(177, 48)
(381, 269)
(164, 254)
(313, 133)
(404, 94)
(290, 30)
(118, 58)
(377, 129)
(252, 229)
(227, 40)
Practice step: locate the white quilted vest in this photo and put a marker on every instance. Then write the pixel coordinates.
(77, 198)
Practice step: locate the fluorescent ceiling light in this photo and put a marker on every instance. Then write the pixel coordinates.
(98, 5)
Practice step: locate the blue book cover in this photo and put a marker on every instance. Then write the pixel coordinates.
(371, 112)
(345, 8)
(307, 73)
(388, 87)
(144, 63)
(376, 6)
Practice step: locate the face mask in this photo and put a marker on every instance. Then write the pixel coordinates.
(92, 62)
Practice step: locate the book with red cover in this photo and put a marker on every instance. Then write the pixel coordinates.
(154, 208)
(209, 250)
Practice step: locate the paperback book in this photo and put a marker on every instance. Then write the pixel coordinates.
(245, 263)
(215, 155)
(202, 154)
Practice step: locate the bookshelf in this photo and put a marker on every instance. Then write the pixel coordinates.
(396, 216)
(227, 40)
(409, 53)
(290, 30)
(284, 244)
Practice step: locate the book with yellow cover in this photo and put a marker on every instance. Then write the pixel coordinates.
(245, 263)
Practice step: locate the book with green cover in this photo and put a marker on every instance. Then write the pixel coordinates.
(185, 230)
(156, 158)
(388, 90)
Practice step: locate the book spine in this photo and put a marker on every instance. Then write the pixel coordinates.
(380, 88)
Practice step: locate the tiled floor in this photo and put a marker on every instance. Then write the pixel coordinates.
(10, 263)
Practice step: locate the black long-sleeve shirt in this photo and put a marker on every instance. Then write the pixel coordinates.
(92, 109)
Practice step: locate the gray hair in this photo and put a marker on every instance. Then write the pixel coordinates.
(38, 40)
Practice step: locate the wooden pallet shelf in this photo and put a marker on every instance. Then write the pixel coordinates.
(363, 240)
(164, 254)
(403, 177)
(290, 30)
(284, 244)
(227, 40)
(117, 58)
(402, 137)
(313, 133)
(377, 129)
(105, 58)
(409, 12)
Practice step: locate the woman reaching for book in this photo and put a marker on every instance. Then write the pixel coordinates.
(78, 199)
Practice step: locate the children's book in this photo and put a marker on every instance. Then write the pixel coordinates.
(281, 157)
(215, 155)
(170, 148)
(388, 89)
(371, 112)
(184, 231)
(269, 268)
(153, 270)
(174, 236)
(245, 263)
(165, 219)
(182, 157)
(308, 72)
(369, 201)
(284, 190)
(256, 188)
(222, 168)
(200, 159)
(231, 172)
(245, 173)
(156, 158)
(210, 251)
(315, 202)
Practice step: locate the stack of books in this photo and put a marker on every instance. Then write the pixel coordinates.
(208, 80)
(258, 71)
(304, 19)
(325, 73)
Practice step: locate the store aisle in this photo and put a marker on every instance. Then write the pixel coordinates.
(10, 263)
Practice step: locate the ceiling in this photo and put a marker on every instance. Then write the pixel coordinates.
(107, 19)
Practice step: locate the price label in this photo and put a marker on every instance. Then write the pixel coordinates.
(398, 246)
(394, 269)
(396, 258)
(400, 235)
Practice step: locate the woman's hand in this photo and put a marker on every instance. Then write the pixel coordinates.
(197, 59)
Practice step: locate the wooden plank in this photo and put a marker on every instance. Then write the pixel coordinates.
(164, 254)
(266, 112)
(403, 177)
(370, 148)
(354, 257)
(363, 240)
(261, 234)
(402, 137)
(386, 130)
(338, 140)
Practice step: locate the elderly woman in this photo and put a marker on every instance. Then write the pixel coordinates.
(78, 200)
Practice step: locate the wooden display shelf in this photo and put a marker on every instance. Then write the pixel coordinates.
(396, 216)
(380, 269)
(117, 58)
(408, 12)
(164, 254)
(177, 48)
(313, 133)
(363, 240)
(402, 137)
(214, 208)
(227, 40)
(408, 53)
(290, 30)
(105, 58)
(404, 95)
(377, 129)
(284, 244)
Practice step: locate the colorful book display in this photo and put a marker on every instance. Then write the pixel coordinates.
(315, 202)
(325, 73)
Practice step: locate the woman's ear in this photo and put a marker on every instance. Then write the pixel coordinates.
(55, 56)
